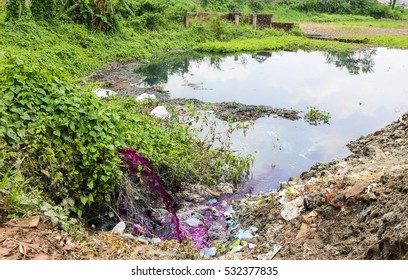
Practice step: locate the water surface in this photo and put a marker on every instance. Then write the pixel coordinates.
(363, 91)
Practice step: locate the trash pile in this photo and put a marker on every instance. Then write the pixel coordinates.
(352, 208)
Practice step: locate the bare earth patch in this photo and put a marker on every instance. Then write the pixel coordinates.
(333, 30)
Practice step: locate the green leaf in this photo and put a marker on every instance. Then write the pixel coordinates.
(8, 96)
(84, 199)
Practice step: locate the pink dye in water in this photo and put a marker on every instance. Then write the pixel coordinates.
(140, 167)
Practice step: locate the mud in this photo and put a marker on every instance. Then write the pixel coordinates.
(233, 111)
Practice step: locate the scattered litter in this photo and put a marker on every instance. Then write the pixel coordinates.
(119, 228)
(193, 222)
(208, 252)
(212, 201)
(251, 246)
(291, 210)
(235, 244)
(102, 93)
(234, 228)
(355, 190)
(156, 240)
(253, 229)
(244, 234)
(303, 233)
(272, 253)
(145, 97)
(237, 249)
(228, 213)
(310, 217)
(160, 112)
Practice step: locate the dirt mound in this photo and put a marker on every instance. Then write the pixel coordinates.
(356, 208)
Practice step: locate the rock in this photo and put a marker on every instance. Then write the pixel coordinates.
(119, 228)
(102, 93)
(34, 221)
(160, 112)
(145, 97)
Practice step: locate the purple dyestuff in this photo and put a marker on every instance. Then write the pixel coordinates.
(140, 167)
(199, 234)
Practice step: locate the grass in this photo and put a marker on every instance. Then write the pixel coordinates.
(79, 50)
(286, 14)
(287, 42)
(377, 24)
(398, 42)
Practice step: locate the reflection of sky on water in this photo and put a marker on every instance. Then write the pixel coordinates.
(358, 104)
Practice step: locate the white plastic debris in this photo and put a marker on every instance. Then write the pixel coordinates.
(272, 253)
(208, 252)
(237, 249)
(193, 222)
(102, 92)
(156, 240)
(251, 246)
(291, 210)
(160, 112)
(253, 229)
(119, 228)
(229, 211)
(145, 97)
(244, 234)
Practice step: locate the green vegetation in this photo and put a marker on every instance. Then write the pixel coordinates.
(398, 42)
(67, 139)
(354, 7)
(316, 117)
(59, 143)
(288, 42)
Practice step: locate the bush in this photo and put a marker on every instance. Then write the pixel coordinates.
(43, 10)
(66, 137)
(16, 9)
(67, 140)
(357, 7)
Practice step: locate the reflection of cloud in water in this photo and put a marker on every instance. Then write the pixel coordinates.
(358, 104)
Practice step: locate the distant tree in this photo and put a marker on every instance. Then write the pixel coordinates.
(99, 14)
(43, 10)
(16, 9)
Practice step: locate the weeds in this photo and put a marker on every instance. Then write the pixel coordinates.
(316, 117)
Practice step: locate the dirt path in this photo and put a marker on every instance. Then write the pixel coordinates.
(337, 30)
